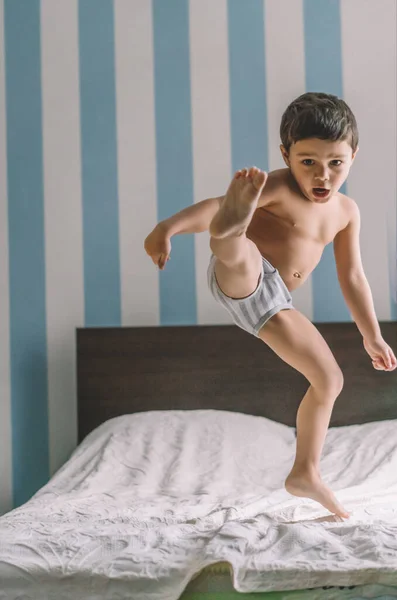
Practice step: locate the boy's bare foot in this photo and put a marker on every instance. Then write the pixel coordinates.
(239, 204)
(309, 485)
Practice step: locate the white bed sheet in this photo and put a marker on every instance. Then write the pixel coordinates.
(148, 500)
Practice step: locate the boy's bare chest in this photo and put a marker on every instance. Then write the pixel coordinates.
(281, 221)
(293, 237)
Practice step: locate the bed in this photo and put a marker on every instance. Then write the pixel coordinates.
(175, 490)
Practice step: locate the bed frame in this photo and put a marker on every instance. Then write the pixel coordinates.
(133, 369)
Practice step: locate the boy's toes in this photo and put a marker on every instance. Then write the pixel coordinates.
(258, 177)
(254, 176)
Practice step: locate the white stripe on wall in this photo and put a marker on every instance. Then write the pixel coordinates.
(391, 215)
(211, 131)
(285, 81)
(6, 502)
(368, 40)
(140, 294)
(285, 69)
(63, 218)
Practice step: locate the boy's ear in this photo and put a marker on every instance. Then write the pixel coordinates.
(354, 153)
(285, 156)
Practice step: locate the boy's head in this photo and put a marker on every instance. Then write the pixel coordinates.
(319, 138)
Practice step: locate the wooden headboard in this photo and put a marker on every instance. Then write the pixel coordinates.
(132, 369)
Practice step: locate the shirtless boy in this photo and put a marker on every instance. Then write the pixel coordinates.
(267, 234)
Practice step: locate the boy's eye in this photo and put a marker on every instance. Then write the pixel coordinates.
(308, 162)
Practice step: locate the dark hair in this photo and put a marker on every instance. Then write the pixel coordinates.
(318, 115)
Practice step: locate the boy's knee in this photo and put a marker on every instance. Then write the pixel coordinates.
(229, 253)
(332, 381)
(238, 253)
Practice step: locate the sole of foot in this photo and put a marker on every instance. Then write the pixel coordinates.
(239, 203)
(311, 486)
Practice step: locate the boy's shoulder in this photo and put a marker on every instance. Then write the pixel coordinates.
(347, 201)
(277, 181)
(280, 180)
(277, 178)
(349, 210)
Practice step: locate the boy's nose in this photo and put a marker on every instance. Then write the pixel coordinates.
(322, 177)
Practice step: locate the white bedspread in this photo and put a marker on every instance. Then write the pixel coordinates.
(148, 500)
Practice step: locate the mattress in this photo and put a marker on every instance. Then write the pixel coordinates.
(215, 582)
(147, 501)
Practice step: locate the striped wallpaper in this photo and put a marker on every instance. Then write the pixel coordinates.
(116, 114)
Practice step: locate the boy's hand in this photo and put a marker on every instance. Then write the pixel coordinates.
(158, 246)
(382, 355)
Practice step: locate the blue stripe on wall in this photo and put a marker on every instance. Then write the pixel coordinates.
(323, 62)
(99, 163)
(174, 154)
(249, 132)
(28, 346)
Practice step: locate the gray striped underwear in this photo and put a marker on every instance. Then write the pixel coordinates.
(252, 312)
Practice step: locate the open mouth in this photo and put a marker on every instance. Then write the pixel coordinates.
(320, 192)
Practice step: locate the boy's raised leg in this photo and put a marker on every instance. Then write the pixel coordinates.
(239, 261)
(239, 204)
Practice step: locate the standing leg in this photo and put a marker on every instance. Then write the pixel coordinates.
(299, 343)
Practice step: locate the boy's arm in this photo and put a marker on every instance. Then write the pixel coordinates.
(192, 219)
(357, 292)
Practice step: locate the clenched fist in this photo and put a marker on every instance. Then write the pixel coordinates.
(158, 246)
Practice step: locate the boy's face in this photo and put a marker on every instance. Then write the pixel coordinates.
(316, 164)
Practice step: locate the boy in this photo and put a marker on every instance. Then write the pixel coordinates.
(267, 235)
